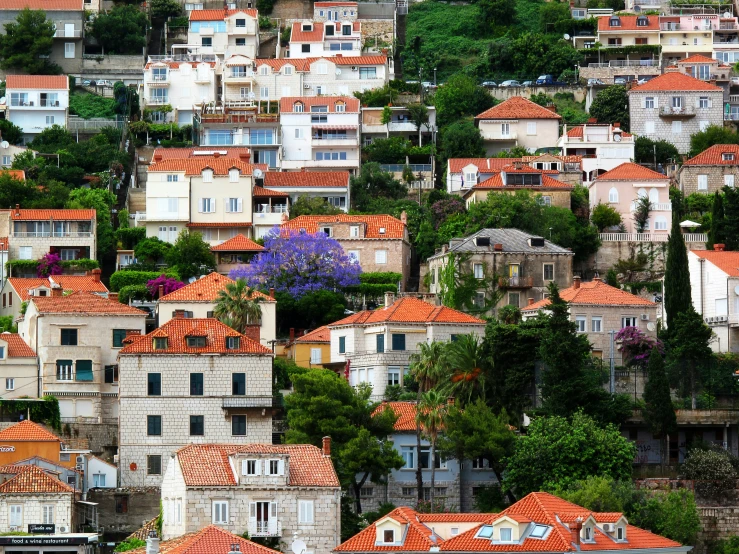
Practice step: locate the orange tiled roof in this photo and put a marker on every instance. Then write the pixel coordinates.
(351, 104)
(17, 174)
(69, 283)
(206, 289)
(517, 107)
(335, 4)
(305, 63)
(209, 465)
(595, 292)
(177, 330)
(239, 243)
(219, 15)
(209, 540)
(4, 242)
(410, 310)
(394, 228)
(276, 179)
(572, 158)
(298, 35)
(27, 431)
(484, 165)
(714, 155)
(726, 261)
(60, 82)
(176, 66)
(322, 334)
(17, 347)
(57, 215)
(628, 23)
(547, 183)
(261, 192)
(83, 303)
(631, 172)
(195, 166)
(215, 225)
(192, 152)
(675, 81)
(33, 480)
(406, 412)
(697, 58)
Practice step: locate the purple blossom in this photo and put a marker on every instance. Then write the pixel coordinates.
(297, 262)
(636, 346)
(49, 264)
(442, 209)
(170, 285)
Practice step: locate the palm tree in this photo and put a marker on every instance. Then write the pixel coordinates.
(430, 415)
(465, 358)
(237, 307)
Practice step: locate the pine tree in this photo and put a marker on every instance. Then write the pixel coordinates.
(658, 411)
(677, 277)
(731, 218)
(688, 352)
(718, 225)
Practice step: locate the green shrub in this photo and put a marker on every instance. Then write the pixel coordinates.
(88, 105)
(129, 237)
(125, 278)
(46, 412)
(133, 292)
(83, 263)
(380, 277)
(19, 265)
(131, 543)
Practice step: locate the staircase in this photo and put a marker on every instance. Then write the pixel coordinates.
(401, 12)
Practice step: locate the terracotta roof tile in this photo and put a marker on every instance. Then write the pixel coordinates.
(697, 58)
(628, 23)
(517, 107)
(714, 155)
(484, 165)
(27, 431)
(322, 334)
(726, 261)
(577, 130)
(60, 82)
(631, 172)
(192, 152)
(410, 310)
(17, 174)
(143, 532)
(239, 243)
(298, 35)
(406, 412)
(176, 332)
(354, 60)
(318, 179)
(394, 228)
(547, 183)
(335, 4)
(596, 293)
(4, 242)
(57, 215)
(675, 82)
(83, 303)
(195, 166)
(208, 464)
(261, 192)
(219, 15)
(287, 103)
(565, 159)
(17, 347)
(69, 283)
(209, 540)
(34, 480)
(206, 289)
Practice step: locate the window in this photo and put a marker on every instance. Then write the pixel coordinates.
(9, 384)
(18, 98)
(197, 426)
(531, 128)
(380, 339)
(238, 384)
(16, 515)
(233, 343)
(220, 511)
(64, 370)
(366, 492)
(649, 127)
(69, 337)
(321, 69)
(160, 343)
(408, 491)
(298, 107)
(154, 384)
(628, 321)
(25, 253)
(241, 23)
(121, 504)
(118, 336)
(649, 102)
(380, 256)
(677, 102)
(478, 270)
(596, 324)
(677, 127)
(581, 322)
(505, 534)
(6, 160)
(368, 73)
(234, 205)
(393, 376)
(727, 156)
(111, 373)
(703, 102)
(195, 342)
(549, 272)
(342, 345)
(613, 195)
(388, 536)
(250, 467)
(505, 129)
(660, 223)
(69, 50)
(514, 299)
(305, 48)
(207, 205)
(206, 42)
(240, 42)
(287, 70)
(196, 384)
(398, 341)
(485, 532)
(729, 181)
(208, 178)
(545, 200)
(315, 356)
(620, 533)
(274, 467)
(83, 370)
(50, 120)
(154, 425)
(238, 425)
(305, 512)
(154, 465)
(539, 531)
(340, 107)
(408, 453)
(702, 182)
(319, 119)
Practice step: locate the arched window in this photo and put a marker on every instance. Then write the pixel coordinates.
(653, 195)
(298, 107)
(642, 193)
(613, 195)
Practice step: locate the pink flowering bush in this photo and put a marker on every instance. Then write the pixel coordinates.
(49, 264)
(170, 285)
(635, 345)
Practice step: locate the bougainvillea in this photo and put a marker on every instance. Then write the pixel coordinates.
(442, 209)
(635, 345)
(170, 284)
(49, 264)
(298, 263)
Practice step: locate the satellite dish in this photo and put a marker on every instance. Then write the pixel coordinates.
(2, 100)
(192, 279)
(651, 326)
(567, 37)
(4, 144)
(736, 289)
(637, 9)
(258, 173)
(727, 15)
(298, 546)
(338, 71)
(252, 96)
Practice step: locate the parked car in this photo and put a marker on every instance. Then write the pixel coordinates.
(527, 83)
(86, 83)
(428, 85)
(489, 84)
(619, 80)
(593, 82)
(548, 81)
(510, 83)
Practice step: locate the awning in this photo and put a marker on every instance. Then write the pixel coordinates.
(335, 127)
(87, 503)
(688, 223)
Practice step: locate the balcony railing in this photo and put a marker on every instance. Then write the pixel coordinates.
(669, 111)
(518, 282)
(670, 27)
(237, 402)
(158, 100)
(728, 26)
(267, 209)
(648, 237)
(733, 116)
(55, 234)
(510, 136)
(236, 74)
(63, 33)
(271, 528)
(655, 206)
(634, 63)
(398, 168)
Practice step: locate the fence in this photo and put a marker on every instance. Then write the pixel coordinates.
(647, 237)
(92, 125)
(398, 168)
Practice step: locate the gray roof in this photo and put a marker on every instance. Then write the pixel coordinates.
(513, 240)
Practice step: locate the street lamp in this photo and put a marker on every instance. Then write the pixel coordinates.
(434, 76)
(420, 82)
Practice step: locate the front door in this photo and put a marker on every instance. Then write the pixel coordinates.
(262, 517)
(69, 30)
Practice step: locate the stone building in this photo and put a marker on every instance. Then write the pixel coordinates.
(711, 170)
(522, 264)
(210, 539)
(285, 491)
(673, 107)
(518, 122)
(189, 381)
(18, 368)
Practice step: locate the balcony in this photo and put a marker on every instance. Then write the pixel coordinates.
(158, 80)
(336, 141)
(240, 402)
(55, 234)
(157, 101)
(728, 27)
(504, 138)
(324, 163)
(648, 237)
(271, 528)
(733, 116)
(202, 78)
(671, 27)
(236, 76)
(206, 31)
(517, 282)
(241, 30)
(64, 33)
(683, 112)
(655, 206)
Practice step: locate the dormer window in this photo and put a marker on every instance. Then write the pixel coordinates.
(642, 21)
(274, 467)
(340, 107)
(307, 27)
(388, 536)
(160, 343)
(195, 342)
(287, 70)
(233, 175)
(539, 531)
(382, 230)
(485, 532)
(588, 533)
(233, 343)
(614, 22)
(727, 157)
(620, 533)
(505, 534)
(207, 176)
(241, 23)
(298, 107)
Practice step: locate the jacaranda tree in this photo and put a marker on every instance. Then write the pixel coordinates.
(299, 263)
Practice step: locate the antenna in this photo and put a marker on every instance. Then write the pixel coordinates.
(298, 546)
(257, 173)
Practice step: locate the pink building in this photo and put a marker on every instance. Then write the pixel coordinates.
(621, 189)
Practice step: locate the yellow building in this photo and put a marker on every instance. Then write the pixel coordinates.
(312, 349)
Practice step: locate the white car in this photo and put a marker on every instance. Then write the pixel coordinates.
(510, 83)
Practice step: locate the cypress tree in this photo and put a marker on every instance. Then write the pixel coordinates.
(731, 218)
(718, 225)
(658, 411)
(677, 277)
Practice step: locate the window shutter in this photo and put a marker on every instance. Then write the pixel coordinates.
(643, 101)
(244, 467)
(227, 205)
(252, 510)
(656, 103)
(212, 205)
(224, 512)
(710, 102)
(281, 467)
(697, 102)
(240, 205)
(258, 467)
(201, 208)
(273, 508)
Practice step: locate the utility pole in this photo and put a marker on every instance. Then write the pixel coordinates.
(612, 332)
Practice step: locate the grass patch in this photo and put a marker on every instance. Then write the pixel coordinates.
(88, 105)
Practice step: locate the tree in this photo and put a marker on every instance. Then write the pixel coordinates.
(495, 13)
(168, 284)
(298, 263)
(190, 255)
(688, 351)
(552, 13)
(612, 106)
(373, 183)
(419, 115)
(713, 134)
(646, 148)
(673, 515)
(604, 216)
(237, 306)
(461, 139)
(151, 250)
(10, 132)
(27, 44)
(641, 213)
(102, 201)
(390, 150)
(717, 233)
(309, 311)
(712, 470)
(731, 217)
(465, 360)
(460, 96)
(386, 118)
(122, 30)
(430, 415)
(658, 412)
(556, 452)
(162, 9)
(677, 275)
(49, 264)
(312, 205)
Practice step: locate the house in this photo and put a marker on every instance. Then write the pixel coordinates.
(455, 486)
(539, 522)
(705, 68)
(675, 106)
(18, 368)
(209, 539)
(376, 346)
(189, 381)
(518, 122)
(70, 475)
(17, 290)
(36, 102)
(285, 491)
(332, 186)
(568, 167)
(602, 147)
(598, 309)
(311, 349)
(77, 338)
(335, 11)
(312, 39)
(198, 300)
(99, 474)
(222, 31)
(320, 133)
(684, 35)
(271, 207)
(623, 187)
(711, 170)
(27, 439)
(522, 264)
(378, 242)
(8, 154)
(234, 252)
(400, 125)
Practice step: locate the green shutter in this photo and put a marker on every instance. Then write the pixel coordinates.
(118, 336)
(83, 370)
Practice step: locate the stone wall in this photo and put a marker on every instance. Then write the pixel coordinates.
(715, 177)
(142, 506)
(611, 251)
(381, 30)
(527, 92)
(716, 524)
(102, 437)
(129, 69)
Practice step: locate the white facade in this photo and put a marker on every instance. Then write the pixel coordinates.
(167, 204)
(99, 474)
(236, 33)
(602, 147)
(36, 109)
(181, 85)
(315, 39)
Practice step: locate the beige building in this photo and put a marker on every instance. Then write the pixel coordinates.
(378, 242)
(518, 122)
(198, 300)
(217, 32)
(519, 264)
(18, 368)
(189, 381)
(77, 338)
(290, 492)
(711, 170)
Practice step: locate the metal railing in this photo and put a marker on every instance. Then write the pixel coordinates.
(79, 124)
(633, 63)
(731, 116)
(239, 74)
(670, 27)
(648, 237)
(655, 206)
(518, 281)
(54, 234)
(398, 168)
(183, 58)
(683, 111)
(271, 528)
(267, 209)
(63, 33)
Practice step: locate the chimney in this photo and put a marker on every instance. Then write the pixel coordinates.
(179, 314)
(303, 169)
(404, 218)
(292, 334)
(216, 154)
(152, 543)
(271, 292)
(389, 299)
(592, 120)
(384, 51)
(719, 247)
(575, 529)
(576, 282)
(498, 247)
(57, 291)
(551, 108)
(17, 210)
(531, 301)
(133, 333)
(326, 446)
(254, 332)
(113, 296)
(161, 291)
(245, 156)
(338, 56)
(596, 278)
(616, 125)
(157, 157)
(96, 274)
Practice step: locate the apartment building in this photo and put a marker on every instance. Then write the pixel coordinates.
(711, 170)
(602, 147)
(523, 265)
(77, 339)
(622, 187)
(36, 102)
(377, 345)
(312, 39)
(400, 125)
(288, 491)
(18, 368)
(685, 35)
(224, 32)
(191, 381)
(311, 349)
(320, 133)
(335, 11)
(518, 122)
(183, 85)
(332, 186)
(675, 106)
(377, 242)
(17, 290)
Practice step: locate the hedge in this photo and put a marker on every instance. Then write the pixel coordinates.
(129, 237)
(20, 264)
(125, 278)
(133, 292)
(380, 277)
(83, 263)
(43, 412)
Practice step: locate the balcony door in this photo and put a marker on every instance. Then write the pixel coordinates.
(263, 517)
(514, 272)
